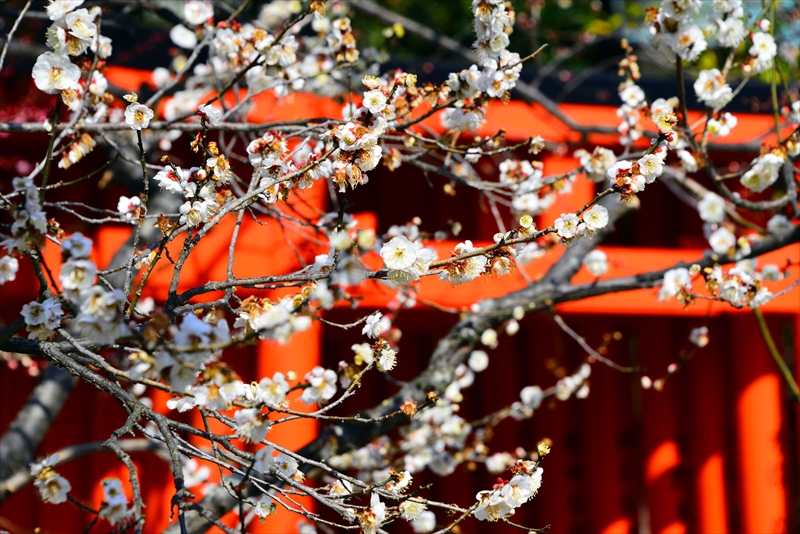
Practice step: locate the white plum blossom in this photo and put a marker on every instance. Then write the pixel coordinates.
(172, 180)
(426, 522)
(722, 241)
(399, 253)
(386, 360)
(53, 73)
(129, 207)
(58, 9)
(375, 101)
(42, 318)
(687, 41)
(595, 218)
(499, 462)
(596, 262)
(460, 119)
(285, 465)
(81, 24)
(489, 337)
(364, 353)
(250, 425)
(77, 275)
(53, 489)
(762, 296)
(112, 491)
(532, 396)
(183, 36)
(632, 95)
(197, 12)
(712, 208)
(115, 508)
(264, 507)
(712, 89)
(272, 391)
(680, 10)
(650, 166)
(321, 386)
(730, 32)
(101, 46)
(699, 336)
(478, 361)
(675, 280)
(138, 116)
(764, 50)
(723, 125)
(779, 224)
(213, 114)
(567, 225)
(411, 510)
(492, 506)
(375, 325)
(8, 269)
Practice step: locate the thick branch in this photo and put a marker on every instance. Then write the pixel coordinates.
(30, 426)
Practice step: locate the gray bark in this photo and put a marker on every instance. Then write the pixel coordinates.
(29, 428)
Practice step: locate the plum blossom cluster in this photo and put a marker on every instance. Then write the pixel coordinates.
(569, 226)
(437, 439)
(762, 52)
(278, 320)
(524, 178)
(712, 89)
(722, 124)
(675, 31)
(321, 386)
(501, 501)
(357, 148)
(283, 52)
(115, 505)
(531, 398)
(199, 186)
(42, 318)
(742, 285)
(727, 23)
(100, 317)
(631, 177)
(274, 58)
(467, 269)
(192, 345)
(500, 68)
(764, 171)
(596, 163)
(74, 31)
(30, 222)
(633, 99)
